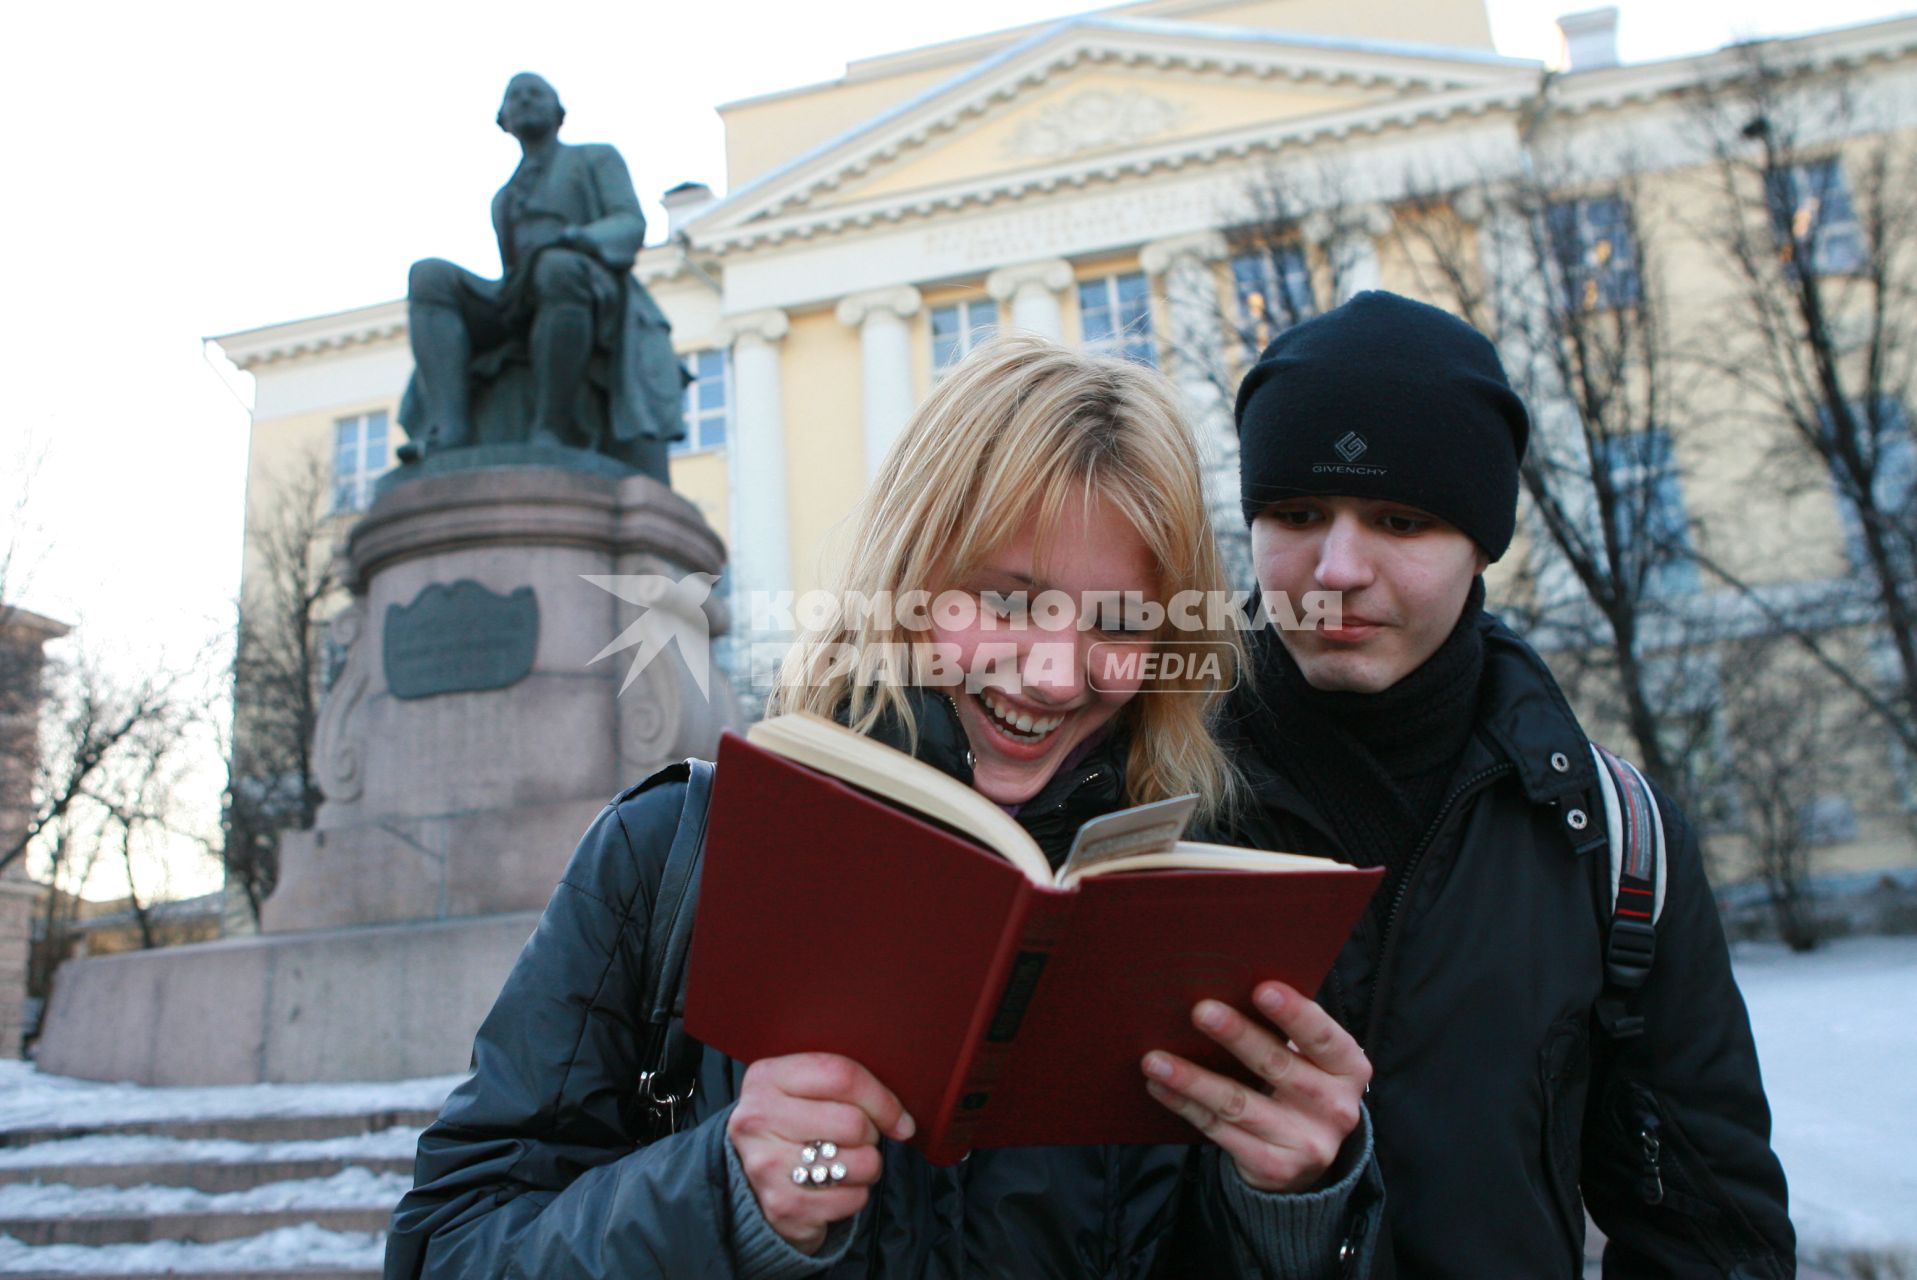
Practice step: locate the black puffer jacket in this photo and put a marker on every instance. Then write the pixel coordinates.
(1497, 1100)
(532, 1169)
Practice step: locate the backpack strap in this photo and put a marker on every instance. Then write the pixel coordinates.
(1634, 888)
(667, 1054)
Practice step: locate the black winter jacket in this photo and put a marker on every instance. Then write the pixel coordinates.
(1501, 1109)
(532, 1169)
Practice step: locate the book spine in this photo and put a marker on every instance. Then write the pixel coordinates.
(1031, 931)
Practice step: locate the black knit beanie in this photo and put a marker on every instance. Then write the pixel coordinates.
(1385, 398)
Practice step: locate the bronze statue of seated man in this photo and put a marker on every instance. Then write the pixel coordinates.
(568, 349)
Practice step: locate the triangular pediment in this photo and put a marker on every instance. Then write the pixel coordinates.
(1104, 95)
(1090, 111)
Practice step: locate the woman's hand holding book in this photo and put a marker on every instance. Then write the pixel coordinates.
(1287, 1138)
(793, 1104)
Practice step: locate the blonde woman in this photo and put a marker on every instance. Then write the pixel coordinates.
(1032, 514)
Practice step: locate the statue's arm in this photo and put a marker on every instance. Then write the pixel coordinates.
(614, 236)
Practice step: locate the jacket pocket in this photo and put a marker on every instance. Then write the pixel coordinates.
(1673, 1178)
(1564, 1069)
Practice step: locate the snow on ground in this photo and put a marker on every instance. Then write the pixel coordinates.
(397, 1143)
(30, 1100)
(288, 1248)
(1836, 1037)
(348, 1189)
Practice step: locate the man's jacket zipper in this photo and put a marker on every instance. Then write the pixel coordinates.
(1387, 939)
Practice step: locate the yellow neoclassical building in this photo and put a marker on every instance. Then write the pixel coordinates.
(1085, 179)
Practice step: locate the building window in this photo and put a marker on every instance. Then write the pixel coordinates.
(359, 458)
(1115, 316)
(958, 328)
(1648, 520)
(1274, 292)
(1596, 254)
(1812, 214)
(706, 402)
(1891, 453)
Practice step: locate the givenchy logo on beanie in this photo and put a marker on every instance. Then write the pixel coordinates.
(1350, 446)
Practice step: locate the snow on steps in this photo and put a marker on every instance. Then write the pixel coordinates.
(252, 1182)
(290, 1253)
(211, 1165)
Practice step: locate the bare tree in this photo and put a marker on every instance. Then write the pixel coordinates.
(95, 725)
(1289, 248)
(1815, 218)
(71, 849)
(280, 670)
(1293, 254)
(1289, 245)
(1791, 731)
(76, 727)
(1560, 270)
(141, 799)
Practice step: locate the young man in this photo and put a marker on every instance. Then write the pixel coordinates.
(1380, 449)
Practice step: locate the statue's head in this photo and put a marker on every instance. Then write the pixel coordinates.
(531, 105)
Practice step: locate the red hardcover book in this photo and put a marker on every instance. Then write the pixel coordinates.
(1002, 1011)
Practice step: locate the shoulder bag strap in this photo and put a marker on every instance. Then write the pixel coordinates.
(667, 1052)
(1635, 887)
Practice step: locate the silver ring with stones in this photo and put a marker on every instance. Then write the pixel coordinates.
(819, 1166)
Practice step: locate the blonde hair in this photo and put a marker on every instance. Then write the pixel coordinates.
(1025, 426)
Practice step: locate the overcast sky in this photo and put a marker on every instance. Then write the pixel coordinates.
(188, 169)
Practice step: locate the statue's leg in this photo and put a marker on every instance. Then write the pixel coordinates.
(441, 353)
(444, 303)
(561, 345)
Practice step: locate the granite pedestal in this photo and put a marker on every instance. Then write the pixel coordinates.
(467, 740)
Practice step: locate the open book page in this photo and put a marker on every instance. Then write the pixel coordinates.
(1193, 855)
(872, 766)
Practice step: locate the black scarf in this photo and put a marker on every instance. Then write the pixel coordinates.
(1373, 765)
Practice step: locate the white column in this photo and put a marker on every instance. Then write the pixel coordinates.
(885, 343)
(761, 560)
(1203, 364)
(1032, 288)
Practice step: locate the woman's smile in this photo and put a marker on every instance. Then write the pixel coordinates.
(1029, 699)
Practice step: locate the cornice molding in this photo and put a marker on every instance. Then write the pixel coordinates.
(1822, 52)
(251, 349)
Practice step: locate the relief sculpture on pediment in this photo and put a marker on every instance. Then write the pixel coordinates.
(1095, 120)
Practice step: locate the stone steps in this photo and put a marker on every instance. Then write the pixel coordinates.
(189, 1228)
(322, 1274)
(238, 1198)
(211, 1177)
(234, 1128)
